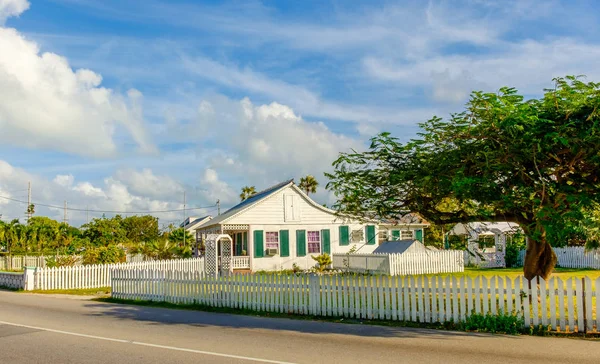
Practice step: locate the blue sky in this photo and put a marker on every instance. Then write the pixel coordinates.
(123, 105)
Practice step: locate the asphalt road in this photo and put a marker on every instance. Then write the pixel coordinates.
(44, 329)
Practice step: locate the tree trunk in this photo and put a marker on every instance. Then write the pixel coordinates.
(540, 259)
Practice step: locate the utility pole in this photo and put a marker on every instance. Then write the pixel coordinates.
(28, 202)
(184, 218)
(65, 211)
(219, 207)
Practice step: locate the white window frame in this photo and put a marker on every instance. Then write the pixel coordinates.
(274, 244)
(308, 242)
(383, 236)
(404, 234)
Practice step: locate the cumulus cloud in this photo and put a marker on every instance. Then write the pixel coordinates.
(247, 144)
(213, 189)
(45, 104)
(146, 183)
(10, 8)
(110, 194)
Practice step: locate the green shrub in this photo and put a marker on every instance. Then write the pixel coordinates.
(61, 261)
(104, 255)
(501, 323)
(323, 261)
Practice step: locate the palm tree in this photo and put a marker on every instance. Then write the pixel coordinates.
(308, 184)
(247, 192)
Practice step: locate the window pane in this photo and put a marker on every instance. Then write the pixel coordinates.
(272, 245)
(314, 247)
(272, 237)
(406, 234)
(314, 236)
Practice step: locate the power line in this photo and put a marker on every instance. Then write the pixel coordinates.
(107, 211)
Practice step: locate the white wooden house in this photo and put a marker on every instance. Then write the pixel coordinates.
(282, 226)
(409, 226)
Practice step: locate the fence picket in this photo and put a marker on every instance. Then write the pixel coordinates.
(579, 299)
(552, 304)
(588, 304)
(571, 314)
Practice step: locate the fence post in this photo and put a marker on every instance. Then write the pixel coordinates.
(29, 275)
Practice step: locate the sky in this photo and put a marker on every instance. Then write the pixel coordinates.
(124, 106)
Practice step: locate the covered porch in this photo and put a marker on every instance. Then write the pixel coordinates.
(240, 255)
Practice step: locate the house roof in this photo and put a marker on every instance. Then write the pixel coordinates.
(407, 219)
(247, 203)
(259, 197)
(485, 228)
(396, 247)
(191, 222)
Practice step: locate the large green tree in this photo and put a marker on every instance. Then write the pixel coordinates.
(534, 162)
(105, 232)
(141, 228)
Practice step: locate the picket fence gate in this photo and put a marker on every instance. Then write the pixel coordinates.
(572, 257)
(564, 306)
(428, 262)
(96, 276)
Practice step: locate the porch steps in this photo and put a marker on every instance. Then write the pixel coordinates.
(242, 271)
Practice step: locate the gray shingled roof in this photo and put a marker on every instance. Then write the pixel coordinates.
(247, 203)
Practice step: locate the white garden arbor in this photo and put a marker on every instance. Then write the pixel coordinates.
(475, 230)
(217, 255)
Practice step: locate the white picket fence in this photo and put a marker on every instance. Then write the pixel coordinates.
(95, 276)
(564, 306)
(21, 261)
(481, 259)
(430, 262)
(573, 257)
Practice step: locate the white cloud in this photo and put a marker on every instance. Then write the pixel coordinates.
(247, 144)
(213, 189)
(45, 104)
(299, 97)
(111, 194)
(146, 183)
(10, 8)
(528, 65)
(64, 180)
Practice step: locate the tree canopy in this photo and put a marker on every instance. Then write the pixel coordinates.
(308, 184)
(504, 158)
(247, 192)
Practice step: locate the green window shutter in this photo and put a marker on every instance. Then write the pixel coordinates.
(245, 242)
(259, 246)
(284, 242)
(344, 235)
(238, 244)
(396, 234)
(419, 235)
(326, 241)
(371, 235)
(300, 243)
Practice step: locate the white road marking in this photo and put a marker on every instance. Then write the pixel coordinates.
(147, 344)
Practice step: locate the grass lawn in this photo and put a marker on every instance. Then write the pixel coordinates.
(562, 273)
(77, 292)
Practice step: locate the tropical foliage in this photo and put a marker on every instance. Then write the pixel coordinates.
(533, 162)
(102, 240)
(308, 184)
(247, 192)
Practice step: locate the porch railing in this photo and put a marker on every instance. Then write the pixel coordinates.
(240, 262)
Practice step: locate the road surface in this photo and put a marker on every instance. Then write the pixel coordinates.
(47, 329)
